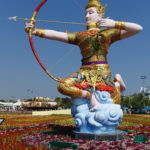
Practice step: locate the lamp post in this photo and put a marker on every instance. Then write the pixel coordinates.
(143, 79)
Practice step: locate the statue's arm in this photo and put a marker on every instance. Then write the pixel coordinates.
(55, 35)
(49, 34)
(130, 30)
(127, 29)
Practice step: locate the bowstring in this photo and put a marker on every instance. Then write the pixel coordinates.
(70, 51)
(79, 5)
(61, 58)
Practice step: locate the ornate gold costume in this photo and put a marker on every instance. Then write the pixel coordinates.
(95, 72)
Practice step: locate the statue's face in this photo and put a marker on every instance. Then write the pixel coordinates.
(92, 15)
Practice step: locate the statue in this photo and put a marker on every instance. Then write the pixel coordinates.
(95, 95)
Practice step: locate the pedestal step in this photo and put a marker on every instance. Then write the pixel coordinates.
(118, 135)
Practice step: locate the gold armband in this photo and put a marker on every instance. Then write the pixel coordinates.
(39, 32)
(120, 25)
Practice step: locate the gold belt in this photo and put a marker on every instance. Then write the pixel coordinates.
(95, 66)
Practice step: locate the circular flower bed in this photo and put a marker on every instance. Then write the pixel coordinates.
(62, 133)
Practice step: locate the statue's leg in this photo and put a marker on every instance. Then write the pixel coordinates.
(94, 102)
(119, 82)
(119, 87)
(116, 95)
(67, 87)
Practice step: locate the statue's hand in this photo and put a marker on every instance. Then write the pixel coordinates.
(29, 26)
(106, 23)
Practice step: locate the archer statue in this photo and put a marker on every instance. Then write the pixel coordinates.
(94, 44)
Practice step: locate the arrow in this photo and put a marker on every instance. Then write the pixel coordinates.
(15, 18)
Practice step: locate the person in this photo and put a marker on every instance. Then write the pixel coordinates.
(94, 44)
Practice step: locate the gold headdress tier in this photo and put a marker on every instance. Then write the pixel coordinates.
(96, 3)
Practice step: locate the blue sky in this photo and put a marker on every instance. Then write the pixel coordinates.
(22, 77)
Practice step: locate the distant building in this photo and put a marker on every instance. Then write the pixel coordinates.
(7, 105)
(145, 91)
(36, 103)
(18, 104)
(39, 103)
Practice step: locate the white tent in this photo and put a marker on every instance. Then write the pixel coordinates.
(17, 104)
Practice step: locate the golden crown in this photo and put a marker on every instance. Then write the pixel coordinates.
(96, 3)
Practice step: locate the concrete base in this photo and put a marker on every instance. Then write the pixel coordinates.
(118, 135)
(51, 112)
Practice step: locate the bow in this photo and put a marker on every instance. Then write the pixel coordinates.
(32, 21)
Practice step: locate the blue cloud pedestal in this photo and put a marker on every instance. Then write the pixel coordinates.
(99, 124)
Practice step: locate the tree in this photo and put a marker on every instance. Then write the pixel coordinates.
(126, 101)
(66, 102)
(135, 101)
(63, 102)
(59, 101)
